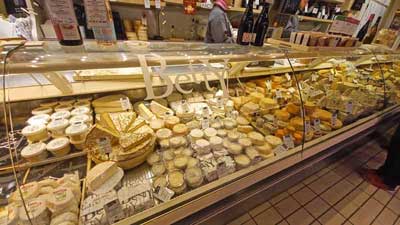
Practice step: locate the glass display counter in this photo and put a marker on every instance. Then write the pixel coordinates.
(153, 132)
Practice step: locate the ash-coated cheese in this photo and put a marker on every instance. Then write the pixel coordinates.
(226, 165)
(209, 168)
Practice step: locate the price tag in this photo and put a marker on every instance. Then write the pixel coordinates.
(288, 141)
(307, 127)
(288, 77)
(291, 90)
(147, 4)
(125, 103)
(278, 93)
(114, 211)
(349, 107)
(104, 145)
(268, 85)
(316, 123)
(315, 10)
(314, 77)
(280, 149)
(163, 193)
(158, 4)
(330, 77)
(205, 123)
(334, 119)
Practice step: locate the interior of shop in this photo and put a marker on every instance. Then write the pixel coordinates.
(209, 112)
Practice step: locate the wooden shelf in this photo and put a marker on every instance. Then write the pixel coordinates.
(307, 18)
(135, 2)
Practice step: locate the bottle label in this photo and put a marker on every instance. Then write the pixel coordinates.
(247, 37)
(69, 32)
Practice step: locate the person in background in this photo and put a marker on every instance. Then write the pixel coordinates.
(387, 177)
(219, 29)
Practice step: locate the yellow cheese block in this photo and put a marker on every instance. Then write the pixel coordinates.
(110, 101)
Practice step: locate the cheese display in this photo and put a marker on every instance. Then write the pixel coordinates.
(35, 152)
(121, 137)
(59, 146)
(50, 201)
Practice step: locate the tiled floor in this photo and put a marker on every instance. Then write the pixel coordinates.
(334, 195)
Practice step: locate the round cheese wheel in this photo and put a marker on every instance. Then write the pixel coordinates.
(193, 125)
(84, 118)
(176, 142)
(297, 123)
(194, 176)
(216, 125)
(226, 143)
(153, 158)
(245, 129)
(32, 130)
(192, 162)
(210, 132)
(321, 114)
(233, 136)
(80, 110)
(202, 144)
(34, 150)
(268, 103)
(168, 155)
(171, 121)
(63, 107)
(196, 134)
(76, 129)
(273, 140)
(256, 138)
(170, 166)
(160, 181)
(252, 153)
(164, 133)
(245, 142)
(216, 142)
(59, 146)
(39, 119)
(180, 162)
(293, 109)
(37, 211)
(157, 124)
(158, 169)
(264, 149)
(164, 143)
(242, 121)
(180, 129)
(187, 152)
(229, 123)
(61, 198)
(221, 133)
(256, 97)
(242, 160)
(42, 110)
(176, 179)
(282, 115)
(235, 149)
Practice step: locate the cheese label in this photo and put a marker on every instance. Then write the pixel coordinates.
(114, 211)
(278, 93)
(158, 4)
(288, 141)
(334, 118)
(307, 127)
(280, 149)
(288, 77)
(330, 77)
(104, 145)
(163, 194)
(147, 4)
(314, 77)
(349, 107)
(316, 123)
(125, 103)
(268, 85)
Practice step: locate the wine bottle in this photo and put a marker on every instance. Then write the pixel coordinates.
(364, 29)
(68, 34)
(246, 26)
(261, 26)
(370, 37)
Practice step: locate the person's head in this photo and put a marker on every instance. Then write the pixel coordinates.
(222, 4)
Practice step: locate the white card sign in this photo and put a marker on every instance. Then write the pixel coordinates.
(96, 13)
(61, 11)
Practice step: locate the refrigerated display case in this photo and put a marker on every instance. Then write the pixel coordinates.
(153, 132)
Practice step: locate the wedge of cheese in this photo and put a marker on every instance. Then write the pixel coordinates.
(145, 112)
(159, 110)
(109, 101)
(99, 174)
